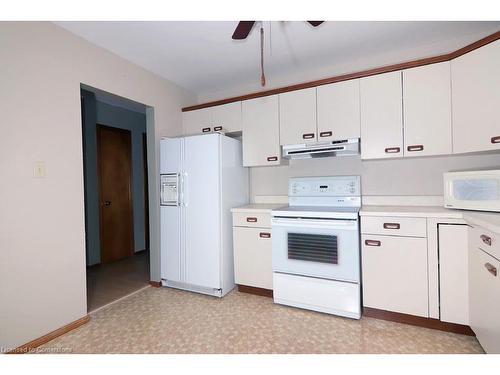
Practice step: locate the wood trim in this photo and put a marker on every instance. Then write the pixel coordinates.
(155, 284)
(360, 74)
(254, 290)
(418, 321)
(30, 346)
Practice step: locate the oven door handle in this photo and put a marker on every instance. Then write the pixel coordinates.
(315, 224)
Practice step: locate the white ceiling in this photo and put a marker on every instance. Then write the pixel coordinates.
(202, 57)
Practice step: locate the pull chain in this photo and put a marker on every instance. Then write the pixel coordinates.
(262, 77)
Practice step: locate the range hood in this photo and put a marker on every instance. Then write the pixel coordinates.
(343, 147)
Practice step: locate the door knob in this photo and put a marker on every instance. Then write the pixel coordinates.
(107, 203)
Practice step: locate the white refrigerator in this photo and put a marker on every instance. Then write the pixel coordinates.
(201, 178)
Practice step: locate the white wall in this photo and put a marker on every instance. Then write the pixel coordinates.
(42, 252)
(415, 176)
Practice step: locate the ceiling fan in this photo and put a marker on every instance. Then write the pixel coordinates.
(243, 29)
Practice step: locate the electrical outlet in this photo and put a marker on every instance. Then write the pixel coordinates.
(39, 169)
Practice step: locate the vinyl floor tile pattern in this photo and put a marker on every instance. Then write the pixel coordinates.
(163, 320)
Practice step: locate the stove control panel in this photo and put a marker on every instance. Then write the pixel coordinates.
(334, 186)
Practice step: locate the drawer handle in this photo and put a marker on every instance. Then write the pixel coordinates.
(491, 269)
(486, 239)
(392, 226)
(392, 150)
(251, 219)
(325, 134)
(372, 243)
(495, 139)
(272, 158)
(264, 235)
(205, 130)
(217, 128)
(415, 148)
(308, 135)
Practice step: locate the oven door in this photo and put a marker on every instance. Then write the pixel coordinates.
(325, 248)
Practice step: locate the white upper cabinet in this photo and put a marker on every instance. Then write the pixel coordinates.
(427, 110)
(261, 145)
(197, 122)
(222, 117)
(338, 110)
(475, 79)
(297, 110)
(381, 116)
(227, 116)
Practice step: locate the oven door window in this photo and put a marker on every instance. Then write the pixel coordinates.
(318, 248)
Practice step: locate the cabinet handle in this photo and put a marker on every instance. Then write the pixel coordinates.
(205, 130)
(251, 219)
(217, 128)
(392, 226)
(491, 269)
(264, 235)
(486, 239)
(392, 150)
(372, 243)
(308, 135)
(325, 134)
(495, 139)
(272, 158)
(415, 148)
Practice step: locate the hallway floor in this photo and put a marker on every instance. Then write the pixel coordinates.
(109, 282)
(164, 320)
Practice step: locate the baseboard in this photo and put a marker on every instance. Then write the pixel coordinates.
(155, 284)
(30, 346)
(418, 321)
(254, 290)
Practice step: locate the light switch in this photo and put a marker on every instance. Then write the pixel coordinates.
(39, 169)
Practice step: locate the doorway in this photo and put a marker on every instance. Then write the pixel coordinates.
(116, 197)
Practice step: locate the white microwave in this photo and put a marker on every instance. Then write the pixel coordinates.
(473, 190)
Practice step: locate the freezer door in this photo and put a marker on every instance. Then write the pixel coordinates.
(171, 155)
(202, 210)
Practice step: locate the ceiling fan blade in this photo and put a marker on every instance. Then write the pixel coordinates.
(315, 23)
(243, 29)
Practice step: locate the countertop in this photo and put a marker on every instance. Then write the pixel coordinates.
(487, 220)
(258, 207)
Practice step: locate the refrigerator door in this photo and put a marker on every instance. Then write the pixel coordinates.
(202, 210)
(171, 227)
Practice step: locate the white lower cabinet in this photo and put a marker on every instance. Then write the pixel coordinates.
(453, 273)
(395, 274)
(484, 291)
(253, 257)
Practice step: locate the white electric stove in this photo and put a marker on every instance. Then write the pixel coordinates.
(316, 253)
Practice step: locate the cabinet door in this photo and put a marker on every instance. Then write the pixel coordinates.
(475, 80)
(395, 274)
(261, 145)
(484, 289)
(298, 117)
(338, 110)
(381, 116)
(228, 116)
(197, 121)
(453, 273)
(253, 257)
(427, 110)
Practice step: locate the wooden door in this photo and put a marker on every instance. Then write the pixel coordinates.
(381, 116)
(298, 117)
(261, 133)
(114, 158)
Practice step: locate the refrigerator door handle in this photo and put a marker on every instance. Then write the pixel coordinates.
(185, 195)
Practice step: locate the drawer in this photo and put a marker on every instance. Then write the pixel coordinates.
(486, 240)
(248, 219)
(394, 273)
(253, 257)
(394, 226)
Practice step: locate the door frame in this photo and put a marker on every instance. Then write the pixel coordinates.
(99, 128)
